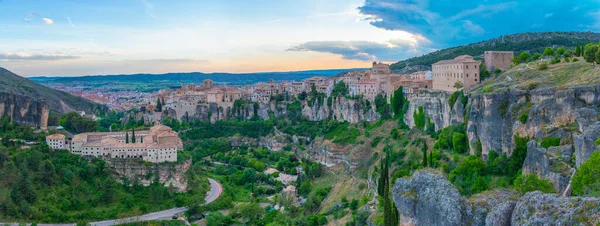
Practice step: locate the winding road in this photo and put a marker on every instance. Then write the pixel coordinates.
(214, 193)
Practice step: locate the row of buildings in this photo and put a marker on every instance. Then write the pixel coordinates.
(158, 144)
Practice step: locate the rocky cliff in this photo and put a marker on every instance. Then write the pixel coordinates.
(24, 110)
(427, 198)
(340, 108)
(169, 174)
(494, 118)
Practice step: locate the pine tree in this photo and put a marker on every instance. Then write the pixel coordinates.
(127, 137)
(424, 149)
(133, 136)
(141, 139)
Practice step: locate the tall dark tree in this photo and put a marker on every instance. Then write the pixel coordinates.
(133, 136)
(424, 150)
(127, 137)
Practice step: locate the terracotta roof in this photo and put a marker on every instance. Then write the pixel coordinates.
(457, 60)
(56, 136)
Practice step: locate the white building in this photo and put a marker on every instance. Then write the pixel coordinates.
(56, 141)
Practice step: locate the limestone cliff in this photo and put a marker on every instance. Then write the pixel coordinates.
(135, 170)
(340, 108)
(24, 110)
(494, 118)
(427, 198)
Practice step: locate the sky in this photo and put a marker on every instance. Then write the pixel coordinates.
(69, 38)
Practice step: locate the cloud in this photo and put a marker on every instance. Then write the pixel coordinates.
(392, 50)
(449, 23)
(43, 57)
(71, 22)
(48, 21)
(30, 16)
(149, 9)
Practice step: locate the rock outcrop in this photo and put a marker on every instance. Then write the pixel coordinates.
(553, 163)
(427, 198)
(24, 110)
(436, 107)
(169, 174)
(537, 208)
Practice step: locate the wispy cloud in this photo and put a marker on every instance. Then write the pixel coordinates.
(48, 21)
(149, 9)
(71, 22)
(30, 16)
(25, 56)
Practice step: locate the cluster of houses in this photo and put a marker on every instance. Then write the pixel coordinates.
(158, 144)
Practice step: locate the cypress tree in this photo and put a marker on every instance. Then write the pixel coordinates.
(424, 149)
(431, 159)
(141, 139)
(127, 137)
(133, 136)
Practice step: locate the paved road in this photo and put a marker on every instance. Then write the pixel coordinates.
(214, 193)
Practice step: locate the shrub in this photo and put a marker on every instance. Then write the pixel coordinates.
(550, 142)
(459, 142)
(597, 142)
(503, 108)
(556, 60)
(487, 89)
(523, 117)
(575, 60)
(376, 141)
(543, 66)
(467, 176)
(531, 182)
(586, 180)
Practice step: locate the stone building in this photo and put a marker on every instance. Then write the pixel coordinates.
(451, 75)
(498, 59)
(56, 141)
(159, 144)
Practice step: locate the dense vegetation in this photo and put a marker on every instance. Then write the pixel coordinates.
(586, 180)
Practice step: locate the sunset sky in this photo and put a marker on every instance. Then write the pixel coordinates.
(65, 38)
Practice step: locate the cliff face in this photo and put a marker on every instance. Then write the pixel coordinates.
(436, 107)
(427, 198)
(24, 110)
(570, 114)
(167, 174)
(341, 109)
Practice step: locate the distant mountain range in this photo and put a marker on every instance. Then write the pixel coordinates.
(16, 86)
(531, 42)
(198, 77)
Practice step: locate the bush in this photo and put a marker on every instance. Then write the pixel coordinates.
(586, 180)
(523, 117)
(487, 89)
(556, 60)
(575, 60)
(468, 176)
(543, 66)
(597, 142)
(531, 182)
(550, 142)
(459, 142)
(376, 141)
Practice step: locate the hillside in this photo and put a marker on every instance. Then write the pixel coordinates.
(532, 42)
(58, 101)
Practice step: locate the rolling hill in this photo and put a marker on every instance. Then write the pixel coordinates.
(532, 42)
(57, 101)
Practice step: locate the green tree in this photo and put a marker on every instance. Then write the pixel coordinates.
(589, 52)
(586, 180)
(424, 151)
(598, 56)
(531, 182)
(459, 142)
(536, 56)
(46, 172)
(548, 51)
(522, 58)
(127, 137)
(561, 51)
(133, 136)
(468, 176)
(252, 211)
(578, 51)
(216, 218)
(398, 102)
(419, 118)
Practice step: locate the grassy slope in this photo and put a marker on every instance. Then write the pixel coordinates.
(561, 75)
(57, 100)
